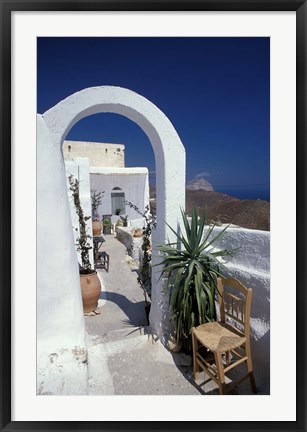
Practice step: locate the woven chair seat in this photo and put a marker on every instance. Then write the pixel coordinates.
(219, 337)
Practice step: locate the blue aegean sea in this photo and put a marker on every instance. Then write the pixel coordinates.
(253, 194)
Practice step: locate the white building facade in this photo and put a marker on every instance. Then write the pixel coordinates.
(119, 186)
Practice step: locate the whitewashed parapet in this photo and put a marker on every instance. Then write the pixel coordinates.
(133, 244)
(250, 263)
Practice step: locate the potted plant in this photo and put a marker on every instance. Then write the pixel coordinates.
(96, 198)
(124, 220)
(119, 223)
(107, 225)
(89, 280)
(191, 267)
(118, 211)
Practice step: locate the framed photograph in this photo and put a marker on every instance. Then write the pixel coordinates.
(153, 107)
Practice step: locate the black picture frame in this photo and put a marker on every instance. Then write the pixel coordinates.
(7, 7)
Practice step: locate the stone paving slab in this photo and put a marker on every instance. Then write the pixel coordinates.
(136, 366)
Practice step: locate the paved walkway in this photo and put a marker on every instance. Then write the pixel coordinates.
(122, 358)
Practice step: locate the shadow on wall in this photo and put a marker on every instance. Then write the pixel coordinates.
(261, 363)
(134, 311)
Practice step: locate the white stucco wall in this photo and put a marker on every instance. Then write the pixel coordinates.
(60, 321)
(169, 160)
(132, 181)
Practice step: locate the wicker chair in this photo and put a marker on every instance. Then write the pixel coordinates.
(222, 345)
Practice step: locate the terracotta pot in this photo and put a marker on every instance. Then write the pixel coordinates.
(96, 228)
(90, 290)
(138, 233)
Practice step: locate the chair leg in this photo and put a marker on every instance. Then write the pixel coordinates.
(195, 350)
(220, 373)
(250, 369)
(252, 380)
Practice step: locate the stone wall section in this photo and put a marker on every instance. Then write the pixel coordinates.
(99, 154)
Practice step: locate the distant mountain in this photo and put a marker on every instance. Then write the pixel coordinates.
(199, 183)
(254, 214)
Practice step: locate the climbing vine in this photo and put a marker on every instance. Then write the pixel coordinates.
(144, 277)
(82, 242)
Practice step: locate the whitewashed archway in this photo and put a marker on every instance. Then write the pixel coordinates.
(57, 277)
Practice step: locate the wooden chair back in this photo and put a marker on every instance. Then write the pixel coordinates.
(235, 304)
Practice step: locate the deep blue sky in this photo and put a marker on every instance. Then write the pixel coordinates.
(215, 91)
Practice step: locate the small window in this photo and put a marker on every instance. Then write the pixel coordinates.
(118, 201)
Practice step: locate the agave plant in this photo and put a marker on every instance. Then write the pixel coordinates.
(191, 267)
